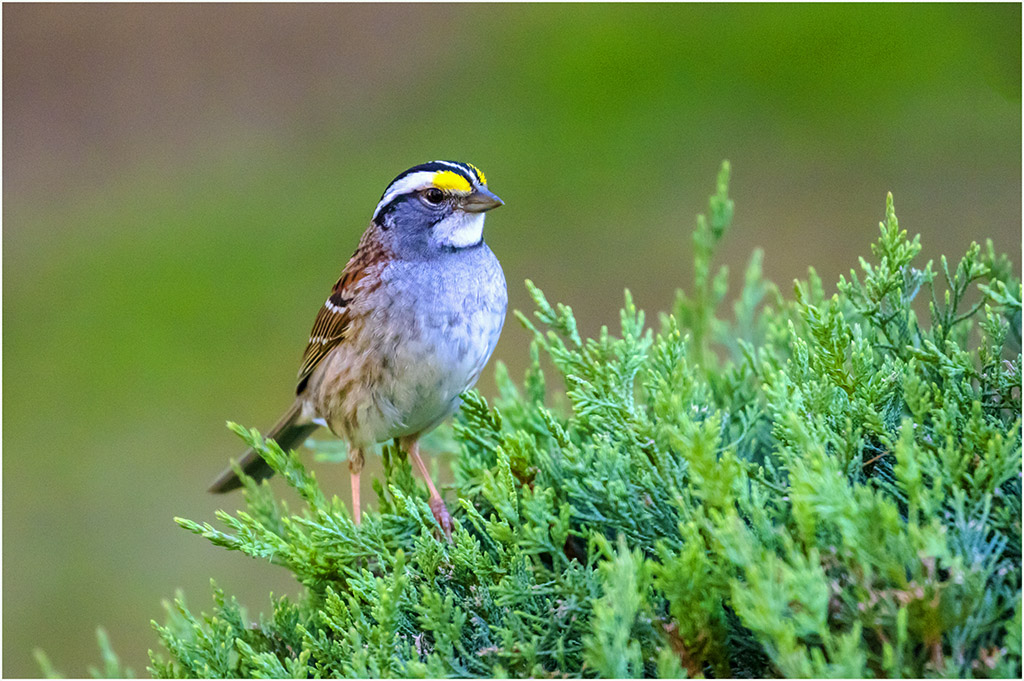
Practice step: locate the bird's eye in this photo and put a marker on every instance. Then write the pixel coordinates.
(433, 195)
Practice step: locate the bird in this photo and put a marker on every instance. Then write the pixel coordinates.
(407, 328)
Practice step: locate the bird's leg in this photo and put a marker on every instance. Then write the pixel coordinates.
(355, 465)
(437, 507)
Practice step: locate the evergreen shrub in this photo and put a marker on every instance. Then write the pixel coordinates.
(806, 485)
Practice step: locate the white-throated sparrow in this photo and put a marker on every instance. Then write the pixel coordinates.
(407, 328)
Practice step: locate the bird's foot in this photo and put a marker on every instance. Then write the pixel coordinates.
(443, 517)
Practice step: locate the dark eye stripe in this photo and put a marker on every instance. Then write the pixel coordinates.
(390, 208)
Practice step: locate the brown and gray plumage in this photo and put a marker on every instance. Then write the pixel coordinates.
(407, 328)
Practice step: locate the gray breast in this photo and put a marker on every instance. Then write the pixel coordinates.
(443, 325)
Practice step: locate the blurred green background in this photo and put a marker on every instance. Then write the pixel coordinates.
(182, 185)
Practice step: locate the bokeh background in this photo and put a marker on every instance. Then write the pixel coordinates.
(183, 183)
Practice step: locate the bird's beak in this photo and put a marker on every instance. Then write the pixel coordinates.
(480, 201)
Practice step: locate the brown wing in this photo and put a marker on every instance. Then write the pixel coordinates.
(332, 320)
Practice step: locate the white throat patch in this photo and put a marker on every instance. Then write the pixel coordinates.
(459, 230)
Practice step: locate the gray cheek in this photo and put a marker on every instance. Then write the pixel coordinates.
(412, 220)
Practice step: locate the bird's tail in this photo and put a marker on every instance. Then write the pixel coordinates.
(288, 433)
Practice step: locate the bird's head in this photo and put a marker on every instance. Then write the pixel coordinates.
(436, 206)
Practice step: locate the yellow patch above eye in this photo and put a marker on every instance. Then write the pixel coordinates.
(452, 181)
(479, 173)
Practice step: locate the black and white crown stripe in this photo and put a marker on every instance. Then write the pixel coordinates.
(468, 171)
(421, 176)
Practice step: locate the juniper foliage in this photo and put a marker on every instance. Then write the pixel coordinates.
(814, 485)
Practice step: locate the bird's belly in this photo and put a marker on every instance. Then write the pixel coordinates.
(405, 378)
(431, 371)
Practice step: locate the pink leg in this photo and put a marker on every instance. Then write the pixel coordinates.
(356, 512)
(437, 507)
(355, 465)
